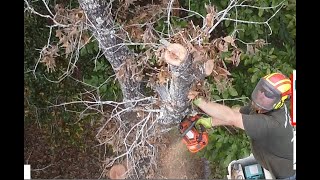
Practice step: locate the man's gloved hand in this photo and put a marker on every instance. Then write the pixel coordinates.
(197, 101)
(205, 121)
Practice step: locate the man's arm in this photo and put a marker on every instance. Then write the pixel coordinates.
(221, 115)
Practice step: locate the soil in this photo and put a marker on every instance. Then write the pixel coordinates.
(59, 160)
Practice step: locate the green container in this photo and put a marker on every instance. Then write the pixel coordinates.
(254, 171)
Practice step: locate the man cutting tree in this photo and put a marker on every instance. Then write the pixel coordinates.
(266, 121)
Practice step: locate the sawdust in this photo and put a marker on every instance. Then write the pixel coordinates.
(176, 162)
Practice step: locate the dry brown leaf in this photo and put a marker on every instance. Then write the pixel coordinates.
(259, 43)
(192, 94)
(136, 33)
(160, 51)
(68, 47)
(163, 76)
(80, 15)
(148, 54)
(223, 72)
(128, 2)
(148, 36)
(210, 9)
(222, 46)
(61, 14)
(54, 51)
(85, 39)
(194, 31)
(63, 39)
(208, 67)
(235, 58)
(236, 54)
(49, 62)
(57, 7)
(59, 33)
(74, 31)
(230, 40)
(197, 56)
(209, 20)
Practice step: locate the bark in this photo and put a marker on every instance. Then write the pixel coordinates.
(183, 74)
(119, 56)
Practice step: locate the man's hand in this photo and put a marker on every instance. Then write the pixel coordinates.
(205, 121)
(197, 101)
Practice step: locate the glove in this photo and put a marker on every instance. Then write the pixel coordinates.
(205, 121)
(197, 101)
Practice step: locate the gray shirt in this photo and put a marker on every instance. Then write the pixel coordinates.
(271, 140)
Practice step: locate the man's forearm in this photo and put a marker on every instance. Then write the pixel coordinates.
(218, 122)
(218, 111)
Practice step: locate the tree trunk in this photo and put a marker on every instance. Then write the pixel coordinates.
(183, 74)
(120, 57)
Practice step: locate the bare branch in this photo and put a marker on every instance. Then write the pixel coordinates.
(168, 17)
(41, 169)
(45, 16)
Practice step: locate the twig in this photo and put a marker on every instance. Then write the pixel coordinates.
(168, 17)
(45, 16)
(41, 169)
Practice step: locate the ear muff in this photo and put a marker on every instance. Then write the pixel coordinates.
(281, 102)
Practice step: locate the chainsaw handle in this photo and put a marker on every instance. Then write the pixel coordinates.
(188, 129)
(193, 119)
(202, 129)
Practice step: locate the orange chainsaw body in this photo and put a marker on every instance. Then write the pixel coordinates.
(194, 139)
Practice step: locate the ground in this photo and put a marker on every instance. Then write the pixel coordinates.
(59, 160)
(176, 162)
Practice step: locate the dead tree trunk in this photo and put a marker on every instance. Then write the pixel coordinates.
(119, 56)
(184, 72)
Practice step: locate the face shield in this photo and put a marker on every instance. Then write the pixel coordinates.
(265, 96)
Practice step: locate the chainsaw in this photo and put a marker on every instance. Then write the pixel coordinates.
(195, 139)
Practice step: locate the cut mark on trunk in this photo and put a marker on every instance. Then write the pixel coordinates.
(175, 54)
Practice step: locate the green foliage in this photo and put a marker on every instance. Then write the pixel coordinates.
(224, 147)
(100, 78)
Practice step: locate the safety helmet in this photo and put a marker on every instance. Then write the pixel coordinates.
(271, 91)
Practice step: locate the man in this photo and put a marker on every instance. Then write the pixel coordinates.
(266, 121)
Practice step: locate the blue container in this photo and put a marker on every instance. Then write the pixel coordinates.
(254, 171)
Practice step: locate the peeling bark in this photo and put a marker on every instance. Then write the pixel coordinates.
(119, 56)
(183, 74)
